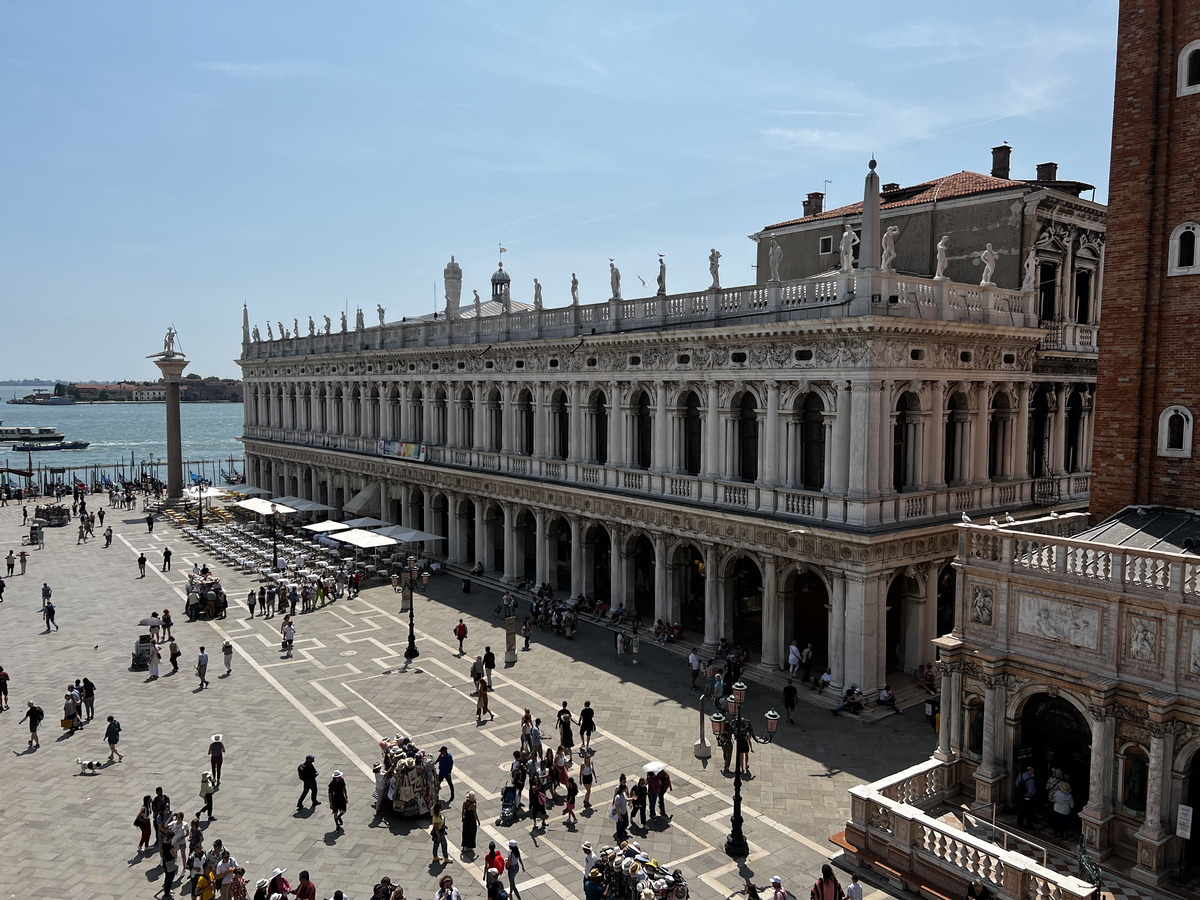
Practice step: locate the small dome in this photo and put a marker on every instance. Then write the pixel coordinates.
(501, 276)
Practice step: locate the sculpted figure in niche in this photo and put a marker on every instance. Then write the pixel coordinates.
(774, 258)
(714, 267)
(988, 257)
(889, 248)
(574, 290)
(849, 241)
(614, 279)
(1142, 639)
(942, 246)
(981, 605)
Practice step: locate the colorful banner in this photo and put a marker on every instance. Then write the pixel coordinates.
(402, 450)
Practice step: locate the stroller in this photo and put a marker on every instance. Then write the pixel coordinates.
(508, 804)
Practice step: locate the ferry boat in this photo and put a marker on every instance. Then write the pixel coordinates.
(30, 434)
(61, 445)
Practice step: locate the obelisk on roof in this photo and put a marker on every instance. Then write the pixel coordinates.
(868, 253)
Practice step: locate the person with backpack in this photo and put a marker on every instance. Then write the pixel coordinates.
(34, 715)
(307, 771)
(112, 734)
(494, 858)
(3, 689)
(48, 614)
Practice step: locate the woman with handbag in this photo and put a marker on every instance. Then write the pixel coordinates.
(170, 864)
(144, 818)
(470, 823)
(206, 794)
(438, 832)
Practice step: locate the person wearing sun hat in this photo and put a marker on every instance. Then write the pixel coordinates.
(216, 755)
(338, 800)
(593, 885)
(515, 863)
(777, 891)
(260, 889)
(279, 884)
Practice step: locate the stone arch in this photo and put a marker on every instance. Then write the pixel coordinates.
(903, 636)
(907, 443)
(1059, 732)
(743, 575)
(598, 556)
(688, 585)
(805, 593)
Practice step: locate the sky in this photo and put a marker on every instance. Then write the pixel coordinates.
(164, 163)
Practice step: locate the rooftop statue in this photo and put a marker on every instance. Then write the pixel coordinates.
(328, 325)
(380, 310)
(1030, 281)
(359, 324)
(574, 290)
(849, 241)
(662, 276)
(889, 248)
(295, 327)
(774, 258)
(537, 294)
(282, 332)
(614, 279)
(942, 246)
(255, 335)
(714, 267)
(988, 257)
(343, 321)
(270, 336)
(312, 327)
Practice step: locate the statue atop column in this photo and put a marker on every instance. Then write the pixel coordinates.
(662, 276)
(942, 246)
(614, 279)
(574, 290)
(169, 342)
(714, 267)
(849, 241)
(889, 249)
(774, 258)
(537, 294)
(988, 257)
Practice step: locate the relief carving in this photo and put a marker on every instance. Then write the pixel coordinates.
(1143, 639)
(982, 598)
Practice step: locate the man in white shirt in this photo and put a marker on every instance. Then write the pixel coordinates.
(202, 668)
(223, 872)
(289, 635)
(694, 666)
(854, 889)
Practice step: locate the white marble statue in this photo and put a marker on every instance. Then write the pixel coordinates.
(169, 341)
(343, 321)
(988, 257)
(478, 305)
(1030, 281)
(255, 334)
(312, 327)
(774, 258)
(282, 332)
(537, 294)
(714, 268)
(849, 240)
(889, 249)
(614, 278)
(359, 324)
(295, 327)
(942, 246)
(270, 335)
(379, 309)
(328, 325)
(574, 290)
(662, 276)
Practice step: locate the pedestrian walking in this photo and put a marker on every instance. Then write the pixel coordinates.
(149, 522)
(789, 700)
(635, 644)
(460, 632)
(338, 801)
(481, 707)
(170, 865)
(3, 689)
(477, 672)
(48, 614)
(143, 819)
(587, 724)
(854, 890)
(526, 628)
(1026, 797)
(206, 794)
(89, 698)
(827, 887)
(437, 832)
(10, 561)
(308, 773)
(587, 777)
(445, 767)
(174, 653)
(664, 784)
(112, 734)
(34, 715)
(202, 668)
(489, 663)
(564, 728)
(154, 660)
(694, 666)
(470, 823)
(216, 756)
(619, 813)
(289, 637)
(251, 600)
(141, 561)
(108, 534)
(227, 654)
(516, 863)
(167, 622)
(166, 559)
(793, 657)
(23, 558)
(100, 514)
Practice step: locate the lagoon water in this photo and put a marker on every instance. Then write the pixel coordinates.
(116, 430)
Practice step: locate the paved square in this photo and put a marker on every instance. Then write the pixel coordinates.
(346, 686)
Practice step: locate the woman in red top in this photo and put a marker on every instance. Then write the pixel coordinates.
(494, 859)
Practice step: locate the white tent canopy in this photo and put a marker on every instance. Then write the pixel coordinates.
(327, 525)
(365, 539)
(365, 522)
(264, 507)
(247, 490)
(364, 501)
(407, 535)
(301, 505)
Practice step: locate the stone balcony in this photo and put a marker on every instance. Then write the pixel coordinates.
(812, 507)
(832, 296)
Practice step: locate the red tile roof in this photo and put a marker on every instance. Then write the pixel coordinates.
(960, 184)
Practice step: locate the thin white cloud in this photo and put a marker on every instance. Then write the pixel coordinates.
(811, 112)
(261, 71)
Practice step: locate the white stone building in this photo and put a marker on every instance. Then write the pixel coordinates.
(764, 463)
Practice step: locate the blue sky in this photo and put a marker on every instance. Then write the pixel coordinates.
(163, 162)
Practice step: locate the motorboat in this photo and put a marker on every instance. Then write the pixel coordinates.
(29, 434)
(62, 445)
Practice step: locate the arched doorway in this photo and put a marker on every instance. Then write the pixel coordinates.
(599, 585)
(1054, 734)
(806, 615)
(643, 577)
(527, 545)
(466, 520)
(746, 587)
(903, 624)
(689, 588)
(946, 586)
(560, 555)
(493, 524)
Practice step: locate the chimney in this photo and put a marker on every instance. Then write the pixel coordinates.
(891, 186)
(814, 205)
(1000, 158)
(1047, 172)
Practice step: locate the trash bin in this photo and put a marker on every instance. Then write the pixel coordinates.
(466, 585)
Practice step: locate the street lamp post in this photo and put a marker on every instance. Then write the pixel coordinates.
(200, 514)
(274, 540)
(410, 575)
(736, 730)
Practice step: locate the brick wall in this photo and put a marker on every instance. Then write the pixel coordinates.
(1148, 355)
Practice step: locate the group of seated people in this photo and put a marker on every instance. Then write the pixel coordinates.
(667, 634)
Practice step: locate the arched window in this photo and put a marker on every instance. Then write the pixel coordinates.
(1175, 432)
(1182, 258)
(1189, 69)
(643, 423)
(812, 443)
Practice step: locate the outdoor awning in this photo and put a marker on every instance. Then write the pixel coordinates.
(311, 506)
(407, 535)
(365, 522)
(365, 539)
(327, 525)
(293, 502)
(247, 490)
(365, 501)
(263, 507)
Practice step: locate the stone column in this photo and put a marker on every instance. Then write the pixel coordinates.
(769, 452)
(576, 555)
(481, 554)
(658, 455)
(712, 432)
(542, 546)
(839, 449)
(621, 587)
(1153, 836)
(616, 445)
(956, 711)
(864, 643)
(479, 431)
(712, 600)
(947, 698)
(980, 435)
(1099, 812)
(990, 776)
(172, 367)
(772, 622)
(575, 452)
(510, 542)
(1058, 442)
(662, 581)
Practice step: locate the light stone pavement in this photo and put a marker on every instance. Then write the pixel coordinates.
(67, 834)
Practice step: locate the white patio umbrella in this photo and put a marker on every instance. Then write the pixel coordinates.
(326, 526)
(365, 522)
